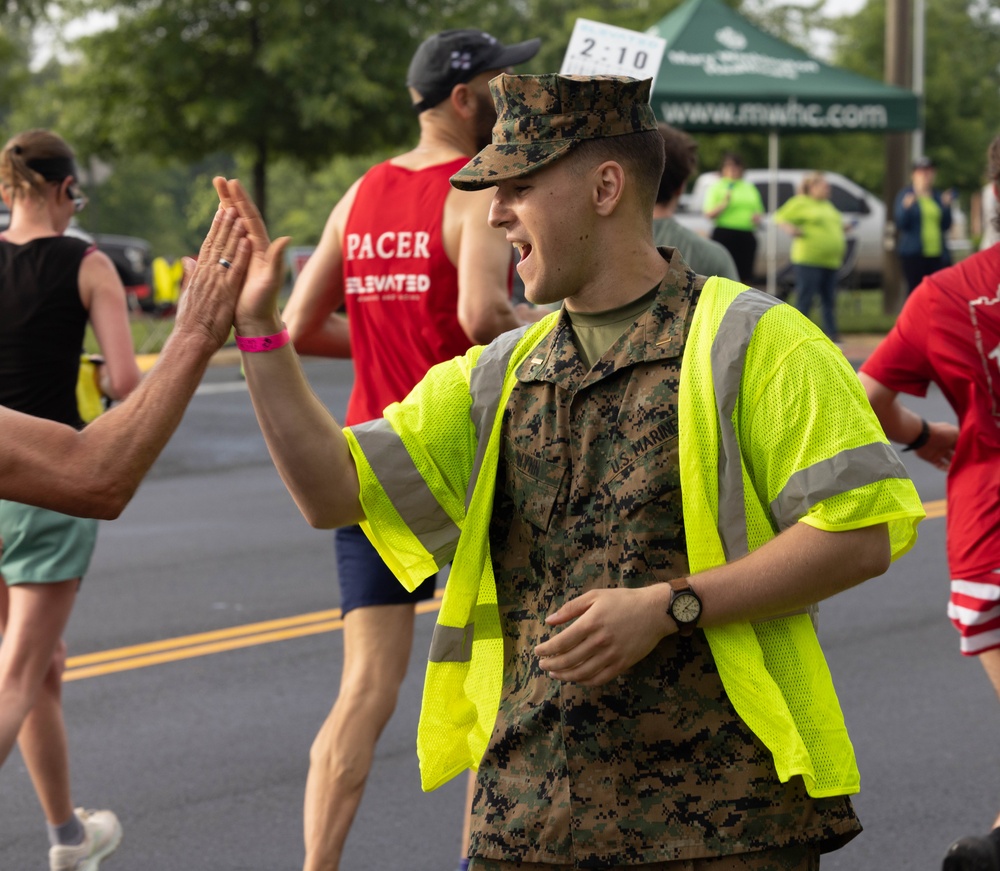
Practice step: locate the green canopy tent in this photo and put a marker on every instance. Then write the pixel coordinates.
(720, 73)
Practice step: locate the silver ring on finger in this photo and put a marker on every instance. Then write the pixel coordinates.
(225, 264)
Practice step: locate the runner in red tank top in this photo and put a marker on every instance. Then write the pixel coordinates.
(400, 287)
(423, 277)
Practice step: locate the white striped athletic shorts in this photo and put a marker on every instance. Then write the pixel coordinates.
(975, 610)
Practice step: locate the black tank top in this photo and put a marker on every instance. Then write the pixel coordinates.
(42, 323)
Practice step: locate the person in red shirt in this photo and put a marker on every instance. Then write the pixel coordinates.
(949, 333)
(422, 277)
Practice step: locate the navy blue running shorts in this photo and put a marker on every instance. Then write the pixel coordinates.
(365, 580)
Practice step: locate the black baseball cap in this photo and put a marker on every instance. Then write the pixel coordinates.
(923, 163)
(453, 57)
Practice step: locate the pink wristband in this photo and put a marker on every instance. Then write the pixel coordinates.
(263, 343)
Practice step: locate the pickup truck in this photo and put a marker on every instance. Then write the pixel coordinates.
(856, 204)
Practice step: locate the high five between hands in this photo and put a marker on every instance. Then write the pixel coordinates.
(257, 306)
(243, 293)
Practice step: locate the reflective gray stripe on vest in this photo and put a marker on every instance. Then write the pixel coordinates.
(845, 471)
(406, 489)
(729, 352)
(452, 643)
(486, 389)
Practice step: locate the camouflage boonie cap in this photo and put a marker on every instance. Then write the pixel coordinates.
(542, 118)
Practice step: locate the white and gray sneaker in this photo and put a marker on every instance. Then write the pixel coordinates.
(102, 834)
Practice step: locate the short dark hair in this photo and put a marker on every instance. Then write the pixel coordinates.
(641, 154)
(680, 154)
(733, 158)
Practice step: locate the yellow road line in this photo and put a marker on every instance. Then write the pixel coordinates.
(249, 635)
(154, 647)
(217, 641)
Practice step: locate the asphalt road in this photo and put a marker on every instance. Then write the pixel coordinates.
(201, 744)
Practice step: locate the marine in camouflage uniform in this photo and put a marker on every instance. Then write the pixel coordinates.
(656, 765)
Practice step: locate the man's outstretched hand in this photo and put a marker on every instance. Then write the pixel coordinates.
(208, 302)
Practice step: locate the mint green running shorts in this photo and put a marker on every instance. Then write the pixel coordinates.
(43, 547)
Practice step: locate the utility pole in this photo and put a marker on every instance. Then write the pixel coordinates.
(919, 39)
(898, 71)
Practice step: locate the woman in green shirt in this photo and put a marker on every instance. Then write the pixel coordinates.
(736, 207)
(818, 246)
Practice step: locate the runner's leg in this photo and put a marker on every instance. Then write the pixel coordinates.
(31, 660)
(377, 642)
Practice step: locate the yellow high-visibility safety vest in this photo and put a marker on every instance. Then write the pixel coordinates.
(428, 494)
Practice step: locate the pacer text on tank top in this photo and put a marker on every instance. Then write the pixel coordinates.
(388, 246)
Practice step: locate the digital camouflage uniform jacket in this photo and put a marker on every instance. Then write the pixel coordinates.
(656, 765)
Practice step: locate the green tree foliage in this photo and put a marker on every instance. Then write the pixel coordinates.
(171, 204)
(21, 12)
(300, 84)
(188, 78)
(13, 70)
(549, 20)
(181, 89)
(961, 86)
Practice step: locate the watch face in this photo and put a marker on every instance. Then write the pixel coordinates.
(685, 608)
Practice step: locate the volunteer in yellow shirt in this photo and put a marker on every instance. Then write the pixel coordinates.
(736, 208)
(818, 246)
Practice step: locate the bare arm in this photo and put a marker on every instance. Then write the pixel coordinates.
(307, 446)
(311, 311)
(712, 210)
(718, 210)
(95, 472)
(903, 425)
(611, 630)
(103, 296)
(483, 258)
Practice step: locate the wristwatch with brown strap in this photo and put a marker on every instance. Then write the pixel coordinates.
(685, 605)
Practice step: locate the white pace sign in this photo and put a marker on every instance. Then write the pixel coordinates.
(601, 49)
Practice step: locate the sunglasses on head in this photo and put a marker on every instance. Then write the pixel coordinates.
(78, 197)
